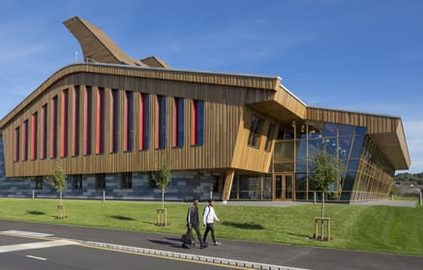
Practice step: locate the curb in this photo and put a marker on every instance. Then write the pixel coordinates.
(184, 256)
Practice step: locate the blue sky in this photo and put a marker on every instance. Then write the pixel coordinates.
(364, 55)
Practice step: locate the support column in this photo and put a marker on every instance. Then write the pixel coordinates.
(229, 178)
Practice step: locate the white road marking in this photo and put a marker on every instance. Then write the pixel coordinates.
(36, 245)
(36, 258)
(25, 233)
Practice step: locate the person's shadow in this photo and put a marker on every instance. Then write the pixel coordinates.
(171, 242)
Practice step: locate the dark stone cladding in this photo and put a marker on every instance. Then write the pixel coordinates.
(183, 187)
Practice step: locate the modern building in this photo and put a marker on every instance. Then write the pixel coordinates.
(111, 121)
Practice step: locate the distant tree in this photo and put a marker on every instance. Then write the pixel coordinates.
(326, 170)
(58, 179)
(162, 181)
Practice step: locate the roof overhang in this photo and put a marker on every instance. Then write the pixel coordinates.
(386, 131)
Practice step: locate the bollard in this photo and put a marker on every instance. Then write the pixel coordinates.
(314, 197)
(104, 195)
(33, 194)
(420, 198)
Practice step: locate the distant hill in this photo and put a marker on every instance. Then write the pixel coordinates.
(413, 177)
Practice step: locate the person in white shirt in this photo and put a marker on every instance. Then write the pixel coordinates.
(209, 216)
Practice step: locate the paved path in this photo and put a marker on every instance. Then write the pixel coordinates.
(294, 256)
(400, 203)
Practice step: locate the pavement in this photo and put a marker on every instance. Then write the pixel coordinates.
(399, 203)
(282, 255)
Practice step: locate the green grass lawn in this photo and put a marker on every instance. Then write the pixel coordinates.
(368, 228)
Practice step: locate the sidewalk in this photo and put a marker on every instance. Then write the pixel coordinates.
(293, 256)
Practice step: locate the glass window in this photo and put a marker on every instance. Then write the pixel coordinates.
(114, 117)
(129, 121)
(38, 182)
(126, 180)
(270, 135)
(197, 122)
(64, 123)
(178, 122)
(160, 121)
(256, 126)
(100, 181)
(77, 182)
(144, 121)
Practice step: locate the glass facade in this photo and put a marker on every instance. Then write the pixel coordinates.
(365, 172)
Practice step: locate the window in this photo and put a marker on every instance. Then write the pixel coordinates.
(270, 135)
(34, 136)
(77, 182)
(100, 181)
(53, 127)
(100, 110)
(38, 182)
(17, 143)
(87, 120)
(197, 122)
(76, 110)
(256, 126)
(128, 121)
(25, 140)
(178, 122)
(64, 126)
(143, 121)
(114, 118)
(126, 180)
(44, 130)
(160, 119)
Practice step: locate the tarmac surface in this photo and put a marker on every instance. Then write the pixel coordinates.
(75, 257)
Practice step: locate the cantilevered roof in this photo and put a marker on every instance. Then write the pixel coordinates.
(386, 131)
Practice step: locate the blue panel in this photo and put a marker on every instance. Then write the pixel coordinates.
(162, 122)
(180, 142)
(146, 121)
(200, 126)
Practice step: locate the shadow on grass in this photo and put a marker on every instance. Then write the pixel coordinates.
(35, 212)
(299, 235)
(245, 226)
(123, 218)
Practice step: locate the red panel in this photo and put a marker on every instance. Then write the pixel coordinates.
(86, 116)
(25, 141)
(98, 123)
(125, 123)
(141, 122)
(64, 126)
(111, 119)
(34, 142)
(194, 122)
(52, 127)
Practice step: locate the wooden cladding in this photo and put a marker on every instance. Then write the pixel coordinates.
(108, 106)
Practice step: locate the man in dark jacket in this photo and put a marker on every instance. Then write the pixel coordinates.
(193, 221)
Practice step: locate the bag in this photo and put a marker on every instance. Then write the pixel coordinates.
(186, 240)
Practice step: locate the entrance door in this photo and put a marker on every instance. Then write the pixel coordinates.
(283, 187)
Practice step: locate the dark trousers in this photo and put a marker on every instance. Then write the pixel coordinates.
(197, 230)
(209, 228)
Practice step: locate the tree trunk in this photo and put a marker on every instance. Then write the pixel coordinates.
(162, 199)
(60, 198)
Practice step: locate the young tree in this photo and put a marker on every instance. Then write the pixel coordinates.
(59, 182)
(162, 181)
(326, 170)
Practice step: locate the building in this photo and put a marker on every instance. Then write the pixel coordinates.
(113, 120)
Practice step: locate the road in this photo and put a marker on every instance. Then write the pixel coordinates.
(28, 253)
